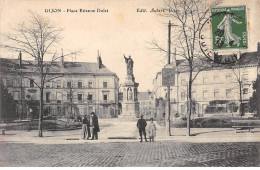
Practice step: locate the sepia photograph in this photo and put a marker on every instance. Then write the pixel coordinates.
(129, 83)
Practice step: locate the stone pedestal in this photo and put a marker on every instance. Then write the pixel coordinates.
(130, 105)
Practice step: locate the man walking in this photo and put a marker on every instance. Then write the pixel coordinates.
(141, 124)
(95, 126)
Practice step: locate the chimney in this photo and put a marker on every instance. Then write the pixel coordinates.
(99, 60)
(62, 59)
(20, 59)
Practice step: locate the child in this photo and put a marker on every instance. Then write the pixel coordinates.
(152, 130)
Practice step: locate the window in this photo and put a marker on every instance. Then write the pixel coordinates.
(16, 83)
(58, 84)
(90, 96)
(183, 82)
(32, 94)
(80, 97)
(48, 94)
(245, 77)
(205, 94)
(105, 97)
(228, 93)
(31, 83)
(90, 84)
(59, 97)
(58, 110)
(68, 96)
(69, 84)
(228, 77)
(48, 85)
(216, 93)
(79, 84)
(245, 91)
(183, 95)
(104, 84)
(205, 80)
(16, 95)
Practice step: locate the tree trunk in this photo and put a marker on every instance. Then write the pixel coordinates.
(189, 103)
(241, 108)
(258, 96)
(21, 99)
(40, 113)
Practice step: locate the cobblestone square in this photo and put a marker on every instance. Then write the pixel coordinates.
(128, 154)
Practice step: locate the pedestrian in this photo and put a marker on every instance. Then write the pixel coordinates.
(85, 128)
(141, 124)
(152, 130)
(95, 126)
(88, 126)
(29, 114)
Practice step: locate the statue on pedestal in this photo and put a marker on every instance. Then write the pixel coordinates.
(129, 64)
(130, 104)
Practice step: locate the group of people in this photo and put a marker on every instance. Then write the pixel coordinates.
(90, 127)
(141, 124)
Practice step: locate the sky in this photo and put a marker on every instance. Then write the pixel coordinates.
(121, 30)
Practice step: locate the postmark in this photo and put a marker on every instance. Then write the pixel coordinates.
(225, 31)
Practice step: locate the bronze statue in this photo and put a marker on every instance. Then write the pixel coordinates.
(129, 64)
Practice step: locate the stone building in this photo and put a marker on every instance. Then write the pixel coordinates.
(146, 104)
(80, 88)
(216, 90)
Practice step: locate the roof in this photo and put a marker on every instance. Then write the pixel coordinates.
(144, 96)
(68, 68)
(246, 59)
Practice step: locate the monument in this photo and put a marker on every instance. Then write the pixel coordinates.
(130, 105)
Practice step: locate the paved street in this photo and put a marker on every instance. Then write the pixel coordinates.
(208, 147)
(166, 153)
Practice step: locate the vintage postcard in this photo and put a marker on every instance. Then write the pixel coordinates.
(129, 83)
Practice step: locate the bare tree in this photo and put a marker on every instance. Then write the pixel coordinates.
(69, 95)
(236, 68)
(188, 17)
(37, 38)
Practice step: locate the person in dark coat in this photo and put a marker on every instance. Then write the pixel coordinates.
(95, 126)
(141, 124)
(85, 128)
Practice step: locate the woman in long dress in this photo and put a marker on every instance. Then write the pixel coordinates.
(152, 130)
(226, 25)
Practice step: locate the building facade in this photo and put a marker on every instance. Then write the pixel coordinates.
(215, 90)
(147, 105)
(77, 88)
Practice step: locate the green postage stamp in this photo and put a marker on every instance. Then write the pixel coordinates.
(229, 28)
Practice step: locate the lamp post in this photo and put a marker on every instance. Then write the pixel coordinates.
(168, 122)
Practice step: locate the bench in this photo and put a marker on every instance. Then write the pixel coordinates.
(244, 128)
